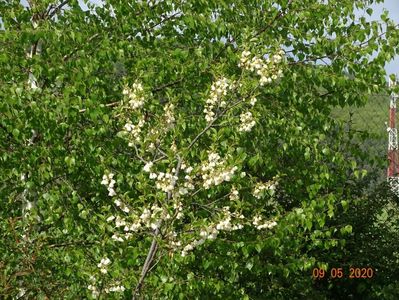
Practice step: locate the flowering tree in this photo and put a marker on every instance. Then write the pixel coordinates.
(174, 149)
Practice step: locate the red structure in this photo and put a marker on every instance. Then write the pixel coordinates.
(393, 168)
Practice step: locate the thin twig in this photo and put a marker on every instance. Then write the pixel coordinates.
(138, 155)
(107, 105)
(67, 56)
(201, 133)
(280, 14)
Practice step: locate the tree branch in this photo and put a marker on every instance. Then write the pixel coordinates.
(57, 9)
(68, 56)
(107, 105)
(154, 244)
(280, 14)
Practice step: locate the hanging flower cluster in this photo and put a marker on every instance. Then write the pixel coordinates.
(210, 233)
(191, 246)
(234, 195)
(214, 171)
(103, 265)
(174, 243)
(134, 131)
(122, 205)
(268, 69)
(225, 223)
(94, 291)
(253, 101)
(188, 184)
(261, 188)
(178, 207)
(109, 182)
(173, 147)
(135, 95)
(114, 288)
(218, 91)
(257, 222)
(92, 287)
(148, 166)
(164, 181)
(149, 218)
(247, 122)
(169, 115)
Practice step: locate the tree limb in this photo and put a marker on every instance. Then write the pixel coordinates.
(154, 244)
(57, 9)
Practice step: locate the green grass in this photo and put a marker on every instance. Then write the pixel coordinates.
(372, 117)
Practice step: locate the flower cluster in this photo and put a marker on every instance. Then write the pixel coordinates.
(152, 217)
(122, 205)
(169, 115)
(247, 122)
(215, 172)
(173, 147)
(257, 221)
(234, 195)
(218, 91)
(178, 207)
(149, 218)
(114, 288)
(148, 166)
(91, 287)
(191, 246)
(94, 291)
(186, 168)
(103, 265)
(164, 181)
(151, 147)
(135, 95)
(134, 131)
(268, 69)
(117, 238)
(245, 59)
(252, 101)
(120, 222)
(209, 234)
(109, 182)
(188, 183)
(225, 223)
(260, 188)
(212, 232)
(174, 243)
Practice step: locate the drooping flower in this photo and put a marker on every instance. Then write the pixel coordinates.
(247, 122)
(218, 92)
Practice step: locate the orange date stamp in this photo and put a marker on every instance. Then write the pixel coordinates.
(336, 273)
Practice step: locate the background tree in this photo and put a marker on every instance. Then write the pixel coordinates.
(179, 149)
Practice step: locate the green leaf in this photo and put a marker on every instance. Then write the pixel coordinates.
(15, 132)
(344, 204)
